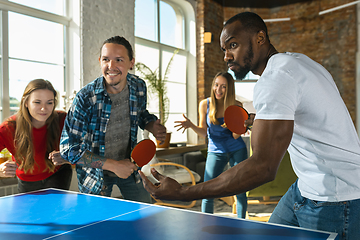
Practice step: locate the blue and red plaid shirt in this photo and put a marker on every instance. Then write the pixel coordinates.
(85, 126)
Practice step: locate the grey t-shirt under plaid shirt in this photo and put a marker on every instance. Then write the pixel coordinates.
(85, 126)
(117, 136)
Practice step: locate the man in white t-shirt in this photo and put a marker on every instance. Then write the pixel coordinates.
(299, 109)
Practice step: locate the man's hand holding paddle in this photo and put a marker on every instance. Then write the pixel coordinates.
(142, 153)
(167, 189)
(123, 169)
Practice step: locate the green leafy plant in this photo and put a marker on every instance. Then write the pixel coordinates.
(156, 84)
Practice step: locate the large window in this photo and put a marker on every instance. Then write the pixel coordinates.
(160, 29)
(244, 90)
(32, 46)
(52, 6)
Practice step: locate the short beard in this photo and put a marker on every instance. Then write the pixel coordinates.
(241, 74)
(117, 83)
(243, 71)
(114, 84)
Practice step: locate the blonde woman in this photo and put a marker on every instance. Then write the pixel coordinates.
(32, 136)
(223, 145)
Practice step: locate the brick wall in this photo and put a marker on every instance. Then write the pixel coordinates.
(101, 19)
(209, 56)
(330, 39)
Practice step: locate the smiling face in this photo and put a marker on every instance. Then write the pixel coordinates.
(237, 46)
(40, 105)
(115, 64)
(219, 87)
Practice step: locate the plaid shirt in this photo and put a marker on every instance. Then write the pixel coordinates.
(85, 126)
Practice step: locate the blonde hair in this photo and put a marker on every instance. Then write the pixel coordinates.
(229, 98)
(23, 134)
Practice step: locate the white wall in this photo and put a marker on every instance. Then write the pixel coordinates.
(101, 19)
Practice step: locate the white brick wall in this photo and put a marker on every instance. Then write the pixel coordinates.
(101, 19)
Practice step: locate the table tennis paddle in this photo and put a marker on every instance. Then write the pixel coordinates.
(143, 152)
(235, 117)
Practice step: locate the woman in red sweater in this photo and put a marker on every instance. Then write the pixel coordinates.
(32, 137)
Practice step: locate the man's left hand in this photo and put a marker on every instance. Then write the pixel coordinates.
(157, 129)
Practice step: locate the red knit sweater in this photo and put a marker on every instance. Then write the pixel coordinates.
(7, 134)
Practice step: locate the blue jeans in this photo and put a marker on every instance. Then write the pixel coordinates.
(131, 188)
(215, 163)
(340, 217)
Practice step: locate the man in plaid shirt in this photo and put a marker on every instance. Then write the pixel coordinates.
(100, 129)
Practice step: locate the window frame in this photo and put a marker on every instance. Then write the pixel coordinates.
(187, 50)
(5, 8)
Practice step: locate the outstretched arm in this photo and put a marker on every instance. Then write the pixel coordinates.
(270, 139)
(202, 128)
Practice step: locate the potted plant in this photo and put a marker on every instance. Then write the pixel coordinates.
(156, 83)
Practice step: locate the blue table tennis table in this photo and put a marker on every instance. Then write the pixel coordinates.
(56, 214)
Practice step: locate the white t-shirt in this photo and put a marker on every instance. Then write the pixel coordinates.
(325, 148)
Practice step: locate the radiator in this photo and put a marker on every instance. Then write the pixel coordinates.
(8, 190)
(176, 159)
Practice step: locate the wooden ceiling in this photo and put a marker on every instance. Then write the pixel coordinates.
(258, 3)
